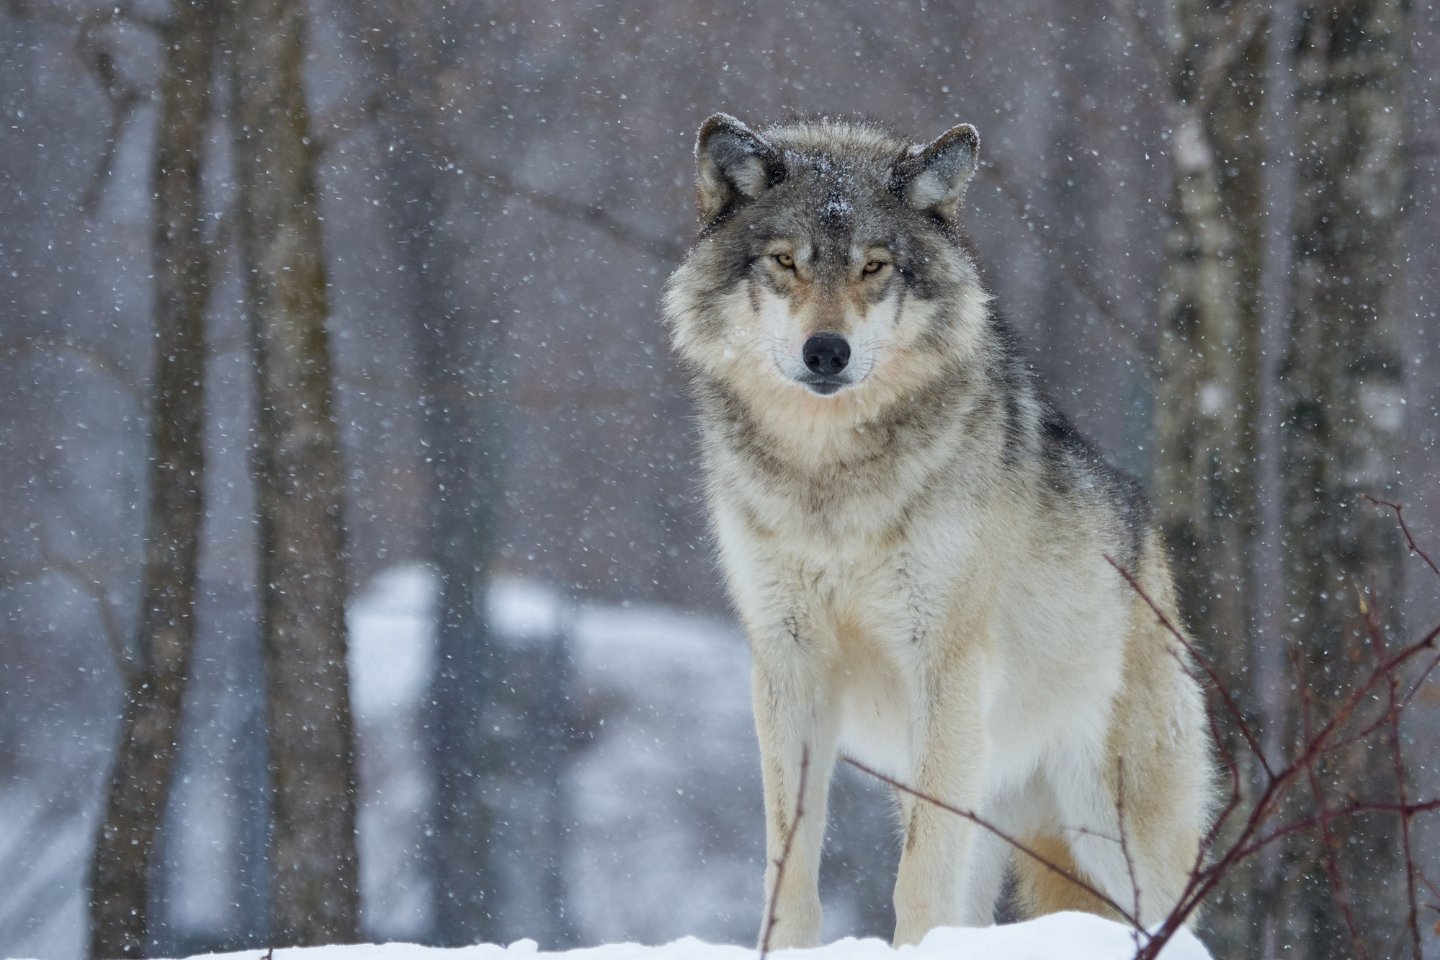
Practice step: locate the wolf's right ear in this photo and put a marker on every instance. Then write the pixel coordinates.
(735, 162)
(933, 178)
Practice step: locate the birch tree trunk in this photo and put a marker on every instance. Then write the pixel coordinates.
(1342, 393)
(314, 888)
(142, 772)
(1330, 412)
(1206, 398)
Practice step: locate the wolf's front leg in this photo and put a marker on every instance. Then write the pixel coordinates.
(946, 875)
(797, 726)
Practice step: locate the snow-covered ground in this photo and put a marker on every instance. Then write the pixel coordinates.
(663, 803)
(1064, 936)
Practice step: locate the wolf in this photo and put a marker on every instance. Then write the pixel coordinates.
(920, 545)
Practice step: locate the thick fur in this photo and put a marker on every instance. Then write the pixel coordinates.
(918, 547)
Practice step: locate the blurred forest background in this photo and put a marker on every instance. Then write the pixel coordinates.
(329, 335)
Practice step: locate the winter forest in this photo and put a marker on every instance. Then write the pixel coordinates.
(355, 579)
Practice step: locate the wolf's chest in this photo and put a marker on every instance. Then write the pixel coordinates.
(849, 511)
(873, 576)
(874, 623)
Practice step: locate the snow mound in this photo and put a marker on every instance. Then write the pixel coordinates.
(1071, 936)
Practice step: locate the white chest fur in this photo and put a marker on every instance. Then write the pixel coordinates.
(866, 610)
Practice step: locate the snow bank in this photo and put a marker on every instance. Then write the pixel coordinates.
(1071, 936)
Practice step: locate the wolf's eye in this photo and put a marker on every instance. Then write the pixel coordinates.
(873, 267)
(785, 260)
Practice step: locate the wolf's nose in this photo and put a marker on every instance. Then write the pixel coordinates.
(826, 353)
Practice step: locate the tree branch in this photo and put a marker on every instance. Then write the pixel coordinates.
(1012, 841)
(1405, 529)
(1253, 835)
(1217, 682)
(771, 916)
(83, 579)
(122, 96)
(17, 347)
(593, 214)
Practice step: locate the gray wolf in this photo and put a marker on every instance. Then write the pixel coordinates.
(916, 540)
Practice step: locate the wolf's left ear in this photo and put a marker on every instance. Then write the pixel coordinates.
(736, 163)
(933, 177)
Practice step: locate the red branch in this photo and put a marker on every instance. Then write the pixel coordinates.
(770, 914)
(1256, 831)
(1217, 682)
(1405, 529)
(984, 824)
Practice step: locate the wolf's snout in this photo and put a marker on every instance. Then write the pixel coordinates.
(826, 353)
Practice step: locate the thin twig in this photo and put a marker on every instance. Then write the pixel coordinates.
(1331, 860)
(84, 580)
(1397, 766)
(1352, 808)
(1420, 682)
(594, 214)
(1337, 733)
(1434, 892)
(1231, 705)
(1405, 529)
(49, 346)
(771, 914)
(92, 49)
(1124, 839)
(1012, 841)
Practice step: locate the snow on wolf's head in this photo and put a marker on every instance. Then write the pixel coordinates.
(830, 270)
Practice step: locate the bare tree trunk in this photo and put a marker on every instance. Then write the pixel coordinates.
(1343, 393)
(1269, 682)
(314, 891)
(140, 779)
(467, 670)
(1206, 409)
(1264, 464)
(455, 349)
(461, 537)
(1205, 418)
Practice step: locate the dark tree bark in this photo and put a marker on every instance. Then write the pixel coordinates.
(1206, 389)
(454, 347)
(1204, 420)
(465, 872)
(314, 889)
(460, 445)
(461, 536)
(1342, 392)
(141, 776)
(1297, 351)
(144, 762)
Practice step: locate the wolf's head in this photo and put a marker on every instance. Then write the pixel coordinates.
(829, 268)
